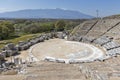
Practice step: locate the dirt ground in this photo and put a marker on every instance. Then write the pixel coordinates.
(59, 48)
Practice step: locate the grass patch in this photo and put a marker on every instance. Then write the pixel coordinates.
(16, 40)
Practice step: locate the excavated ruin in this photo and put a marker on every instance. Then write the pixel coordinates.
(98, 37)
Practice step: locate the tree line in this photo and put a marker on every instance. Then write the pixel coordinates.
(11, 28)
(6, 29)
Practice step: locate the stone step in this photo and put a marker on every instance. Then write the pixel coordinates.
(12, 77)
(51, 68)
(53, 71)
(111, 45)
(54, 78)
(102, 40)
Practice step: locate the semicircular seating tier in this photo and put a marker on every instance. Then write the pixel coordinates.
(102, 32)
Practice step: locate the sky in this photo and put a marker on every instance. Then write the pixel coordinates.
(105, 7)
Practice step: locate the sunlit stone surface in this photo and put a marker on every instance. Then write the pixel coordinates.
(66, 50)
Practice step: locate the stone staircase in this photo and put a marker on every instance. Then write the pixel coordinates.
(53, 71)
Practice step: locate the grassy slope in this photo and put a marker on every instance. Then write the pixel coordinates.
(16, 40)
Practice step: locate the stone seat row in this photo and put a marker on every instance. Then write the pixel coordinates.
(102, 40)
(112, 48)
(114, 52)
(111, 45)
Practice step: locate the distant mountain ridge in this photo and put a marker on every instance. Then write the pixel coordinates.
(46, 13)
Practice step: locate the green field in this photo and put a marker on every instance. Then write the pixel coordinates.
(16, 40)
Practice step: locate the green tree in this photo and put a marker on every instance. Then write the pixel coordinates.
(6, 29)
(5, 32)
(9, 25)
(32, 28)
(47, 27)
(0, 32)
(60, 25)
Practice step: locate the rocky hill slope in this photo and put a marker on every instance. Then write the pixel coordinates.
(113, 17)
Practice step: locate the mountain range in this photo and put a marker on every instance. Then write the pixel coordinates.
(46, 13)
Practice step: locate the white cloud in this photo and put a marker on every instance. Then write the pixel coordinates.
(3, 10)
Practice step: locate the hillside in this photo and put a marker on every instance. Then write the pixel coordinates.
(113, 17)
(45, 13)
